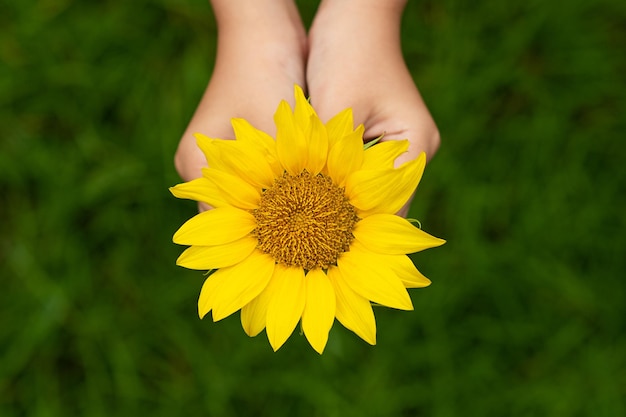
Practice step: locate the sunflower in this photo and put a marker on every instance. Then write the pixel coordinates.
(303, 228)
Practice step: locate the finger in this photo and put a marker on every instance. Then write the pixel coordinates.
(203, 207)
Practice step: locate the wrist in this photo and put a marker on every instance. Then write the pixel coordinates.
(370, 27)
(256, 12)
(373, 20)
(268, 22)
(374, 9)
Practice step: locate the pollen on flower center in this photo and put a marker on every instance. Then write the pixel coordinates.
(304, 220)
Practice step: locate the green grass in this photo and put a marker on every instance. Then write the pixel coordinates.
(527, 312)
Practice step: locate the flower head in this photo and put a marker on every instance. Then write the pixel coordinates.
(303, 227)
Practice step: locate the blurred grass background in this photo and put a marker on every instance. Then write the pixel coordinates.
(527, 312)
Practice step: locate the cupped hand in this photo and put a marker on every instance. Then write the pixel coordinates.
(356, 61)
(261, 54)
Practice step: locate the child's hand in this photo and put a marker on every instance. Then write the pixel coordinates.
(355, 61)
(261, 55)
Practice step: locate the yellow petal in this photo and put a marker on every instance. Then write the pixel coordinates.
(353, 311)
(254, 314)
(384, 191)
(286, 305)
(404, 268)
(199, 189)
(370, 189)
(392, 235)
(248, 163)
(214, 257)
(291, 145)
(319, 310)
(401, 265)
(215, 227)
(318, 145)
(233, 190)
(210, 149)
(372, 280)
(346, 156)
(339, 126)
(248, 135)
(245, 281)
(303, 110)
(254, 163)
(209, 290)
(383, 154)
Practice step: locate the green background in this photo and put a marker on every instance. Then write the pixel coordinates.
(527, 312)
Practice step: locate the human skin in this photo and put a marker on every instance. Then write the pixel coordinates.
(351, 58)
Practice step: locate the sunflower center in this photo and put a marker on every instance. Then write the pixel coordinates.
(304, 220)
